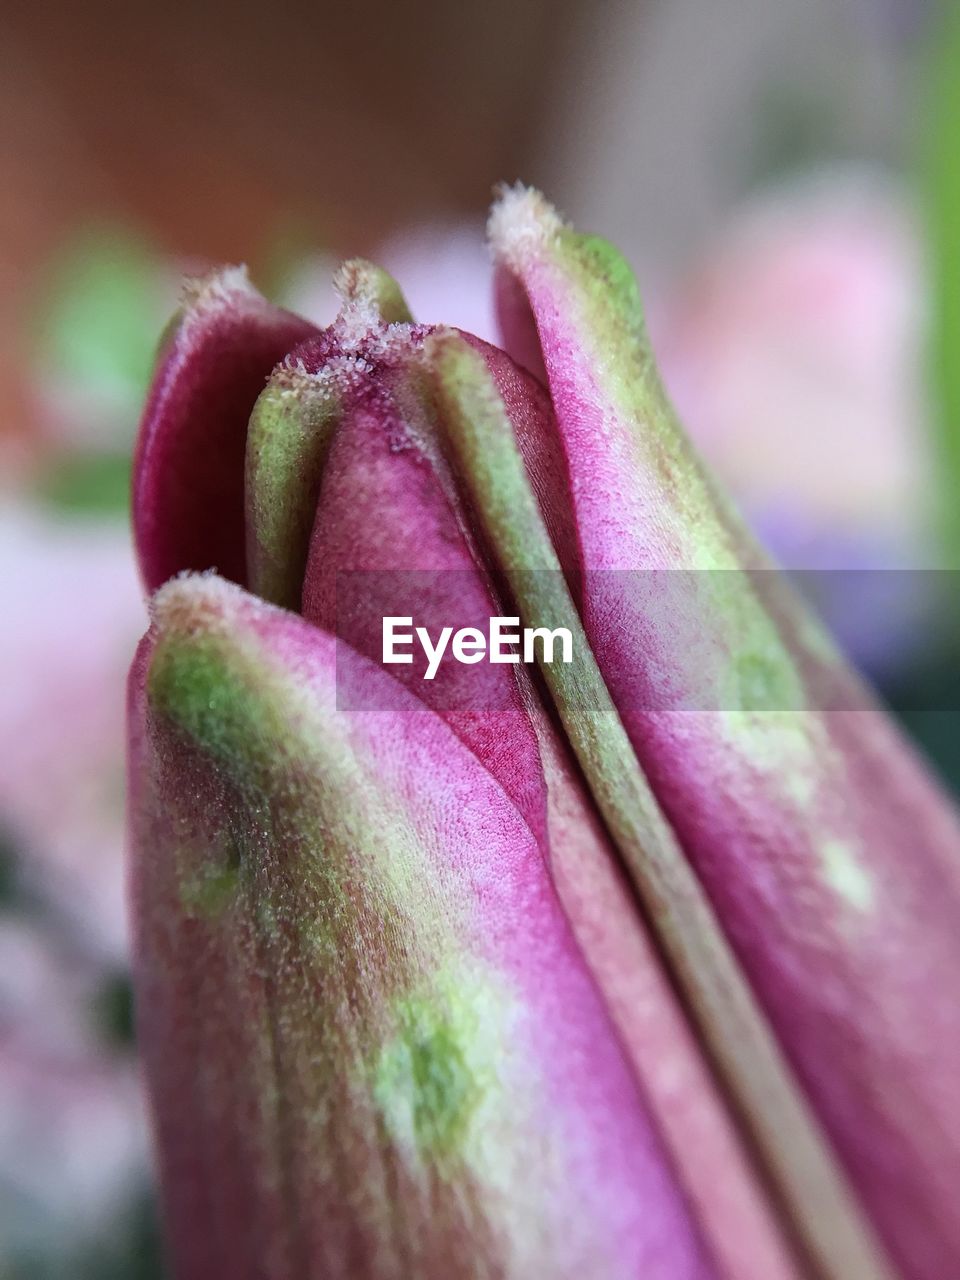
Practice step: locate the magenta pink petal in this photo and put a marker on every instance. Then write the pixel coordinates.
(373, 1046)
(188, 510)
(830, 854)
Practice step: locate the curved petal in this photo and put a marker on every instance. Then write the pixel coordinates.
(291, 427)
(831, 857)
(372, 1046)
(188, 473)
(800, 1164)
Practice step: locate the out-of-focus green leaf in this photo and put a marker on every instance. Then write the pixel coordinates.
(88, 484)
(98, 315)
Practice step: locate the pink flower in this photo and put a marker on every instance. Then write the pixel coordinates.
(799, 338)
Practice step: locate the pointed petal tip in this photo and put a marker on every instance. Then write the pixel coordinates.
(371, 292)
(192, 604)
(188, 468)
(222, 286)
(521, 223)
(199, 606)
(218, 673)
(196, 611)
(440, 342)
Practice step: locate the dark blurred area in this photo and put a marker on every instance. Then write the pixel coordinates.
(213, 130)
(780, 172)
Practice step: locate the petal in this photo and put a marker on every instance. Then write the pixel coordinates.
(830, 856)
(290, 432)
(189, 469)
(713, 1161)
(801, 1166)
(390, 540)
(371, 1044)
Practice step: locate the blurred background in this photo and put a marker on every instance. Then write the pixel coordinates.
(785, 177)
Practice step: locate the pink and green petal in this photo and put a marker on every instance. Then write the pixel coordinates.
(189, 466)
(389, 539)
(811, 1188)
(373, 1045)
(708, 1149)
(364, 284)
(287, 441)
(831, 857)
(291, 427)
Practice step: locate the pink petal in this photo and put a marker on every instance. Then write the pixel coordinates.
(830, 855)
(372, 1045)
(189, 465)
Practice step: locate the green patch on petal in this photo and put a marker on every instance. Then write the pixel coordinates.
(222, 701)
(762, 680)
(596, 282)
(782, 746)
(610, 318)
(423, 1082)
(290, 431)
(443, 1064)
(845, 873)
(211, 885)
(762, 685)
(606, 278)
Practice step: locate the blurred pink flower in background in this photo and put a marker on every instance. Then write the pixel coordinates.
(793, 351)
(61, 790)
(794, 354)
(73, 1148)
